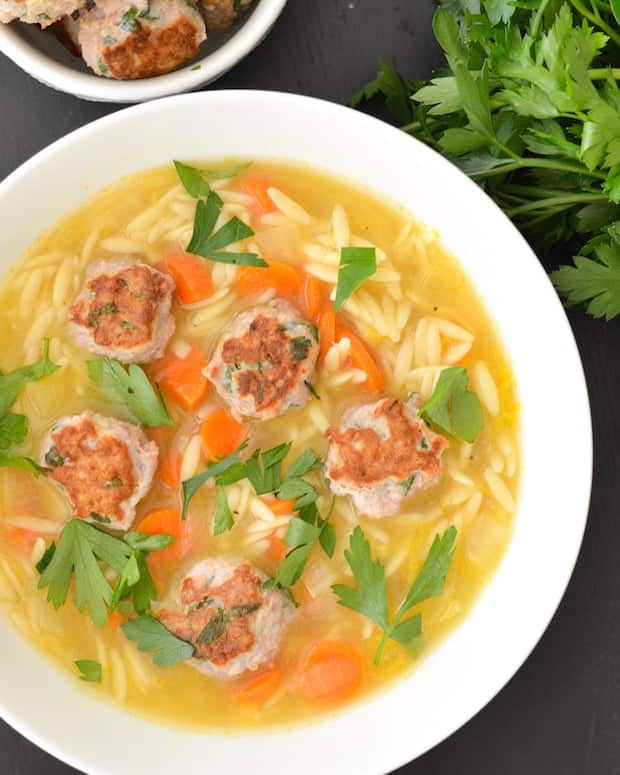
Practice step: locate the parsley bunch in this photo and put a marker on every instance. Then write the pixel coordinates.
(529, 107)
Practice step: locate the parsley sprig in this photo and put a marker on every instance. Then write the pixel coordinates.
(370, 597)
(152, 636)
(529, 107)
(356, 266)
(80, 551)
(14, 427)
(204, 241)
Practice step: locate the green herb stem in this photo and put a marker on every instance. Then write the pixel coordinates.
(600, 73)
(539, 18)
(556, 201)
(533, 163)
(596, 20)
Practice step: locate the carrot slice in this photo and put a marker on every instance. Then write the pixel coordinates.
(362, 359)
(257, 189)
(281, 507)
(191, 276)
(169, 470)
(257, 689)
(277, 549)
(313, 296)
(182, 378)
(221, 434)
(163, 521)
(23, 540)
(284, 279)
(330, 670)
(116, 618)
(327, 329)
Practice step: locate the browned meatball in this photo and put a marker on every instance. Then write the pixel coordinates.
(220, 14)
(43, 12)
(140, 39)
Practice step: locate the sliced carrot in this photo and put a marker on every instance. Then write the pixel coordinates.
(182, 378)
(330, 670)
(313, 296)
(284, 279)
(191, 276)
(257, 189)
(23, 540)
(277, 548)
(116, 618)
(281, 507)
(259, 688)
(221, 434)
(169, 470)
(362, 359)
(163, 521)
(327, 329)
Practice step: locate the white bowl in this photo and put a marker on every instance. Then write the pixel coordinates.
(39, 53)
(478, 658)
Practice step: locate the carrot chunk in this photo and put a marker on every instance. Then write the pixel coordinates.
(257, 189)
(277, 549)
(169, 470)
(281, 507)
(116, 618)
(23, 540)
(221, 434)
(257, 689)
(284, 279)
(362, 359)
(327, 329)
(330, 670)
(191, 276)
(163, 521)
(182, 378)
(313, 296)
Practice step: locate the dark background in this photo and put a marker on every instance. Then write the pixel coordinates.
(561, 713)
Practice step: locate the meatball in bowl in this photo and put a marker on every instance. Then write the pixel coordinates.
(131, 50)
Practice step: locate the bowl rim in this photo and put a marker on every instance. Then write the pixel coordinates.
(201, 71)
(280, 103)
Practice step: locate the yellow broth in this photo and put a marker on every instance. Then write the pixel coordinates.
(422, 316)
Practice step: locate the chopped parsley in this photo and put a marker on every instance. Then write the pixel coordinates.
(89, 670)
(299, 347)
(356, 266)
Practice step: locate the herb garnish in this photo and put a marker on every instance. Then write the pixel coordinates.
(453, 408)
(144, 401)
(356, 266)
(14, 427)
(529, 108)
(370, 599)
(195, 182)
(151, 635)
(89, 670)
(80, 549)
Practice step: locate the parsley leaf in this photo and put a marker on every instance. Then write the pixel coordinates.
(453, 408)
(143, 400)
(21, 462)
(13, 429)
(12, 383)
(356, 266)
(213, 471)
(370, 597)
(208, 245)
(223, 519)
(389, 83)
(89, 670)
(193, 180)
(152, 636)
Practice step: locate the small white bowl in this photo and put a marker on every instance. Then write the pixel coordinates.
(471, 665)
(39, 53)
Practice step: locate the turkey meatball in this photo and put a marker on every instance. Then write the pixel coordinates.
(123, 311)
(141, 38)
(43, 12)
(380, 453)
(104, 467)
(265, 361)
(222, 609)
(220, 14)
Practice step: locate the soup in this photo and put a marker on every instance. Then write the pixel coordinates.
(271, 451)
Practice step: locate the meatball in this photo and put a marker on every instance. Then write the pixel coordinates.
(104, 466)
(43, 12)
(123, 311)
(220, 14)
(265, 361)
(140, 39)
(380, 453)
(222, 609)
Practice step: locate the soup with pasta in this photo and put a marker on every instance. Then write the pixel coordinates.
(258, 444)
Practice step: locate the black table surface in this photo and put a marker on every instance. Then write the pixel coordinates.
(560, 713)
